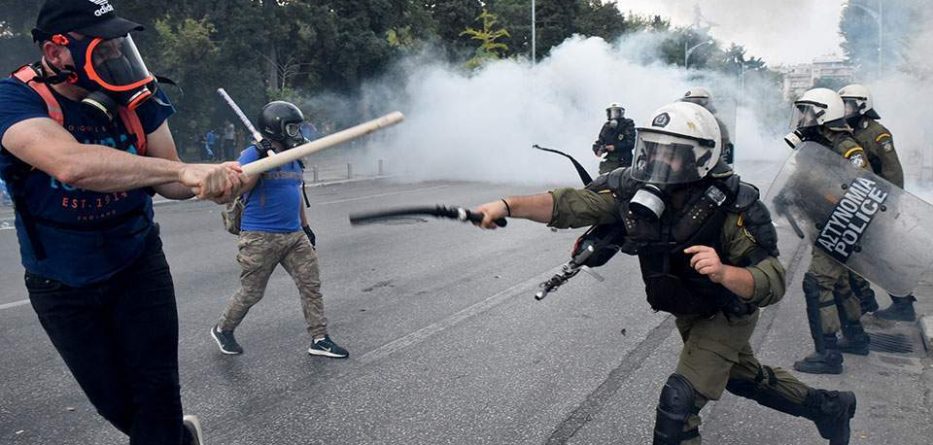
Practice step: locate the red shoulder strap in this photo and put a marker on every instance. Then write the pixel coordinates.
(27, 74)
(134, 125)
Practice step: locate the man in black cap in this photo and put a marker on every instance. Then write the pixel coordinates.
(84, 144)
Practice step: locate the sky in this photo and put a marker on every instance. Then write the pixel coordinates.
(781, 32)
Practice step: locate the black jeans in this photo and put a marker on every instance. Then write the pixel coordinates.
(119, 338)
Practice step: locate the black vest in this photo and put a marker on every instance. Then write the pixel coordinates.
(670, 283)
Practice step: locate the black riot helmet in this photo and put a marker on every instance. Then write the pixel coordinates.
(281, 121)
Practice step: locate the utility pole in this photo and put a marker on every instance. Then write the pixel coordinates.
(533, 31)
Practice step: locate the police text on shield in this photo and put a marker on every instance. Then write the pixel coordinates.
(847, 224)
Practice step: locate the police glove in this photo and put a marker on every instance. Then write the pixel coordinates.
(310, 234)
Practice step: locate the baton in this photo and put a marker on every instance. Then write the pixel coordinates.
(239, 113)
(584, 175)
(438, 211)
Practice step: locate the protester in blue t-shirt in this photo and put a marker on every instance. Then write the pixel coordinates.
(274, 230)
(81, 170)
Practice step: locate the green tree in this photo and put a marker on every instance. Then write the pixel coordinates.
(490, 48)
(600, 19)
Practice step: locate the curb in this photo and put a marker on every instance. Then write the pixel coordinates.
(926, 329)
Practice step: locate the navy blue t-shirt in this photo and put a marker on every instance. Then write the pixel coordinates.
(273, 204)
(87, 236)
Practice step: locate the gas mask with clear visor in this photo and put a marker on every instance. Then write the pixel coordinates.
(110, 69)
(662, 162)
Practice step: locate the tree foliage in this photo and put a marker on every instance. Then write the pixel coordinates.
(259, 50)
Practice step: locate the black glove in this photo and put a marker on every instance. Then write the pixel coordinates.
(310, 234)
(265, 147)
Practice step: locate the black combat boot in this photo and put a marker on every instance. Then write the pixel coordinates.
(901, 309)
(831, 412)
(826, 360)
(854, 339)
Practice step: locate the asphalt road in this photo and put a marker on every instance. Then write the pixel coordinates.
(447, 344)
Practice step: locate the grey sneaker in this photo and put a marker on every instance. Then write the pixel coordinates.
(193, 430)
(326, 347)
(225, 341)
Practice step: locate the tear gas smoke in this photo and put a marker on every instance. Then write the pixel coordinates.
(787, 32)
(481, 125)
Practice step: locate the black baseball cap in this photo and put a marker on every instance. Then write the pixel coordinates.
(89, 17)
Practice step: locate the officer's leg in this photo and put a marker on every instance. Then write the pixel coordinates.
(711, 348)
(823, 319)
(862, 289)
(778, 389)
(677, 421)
(854, 339)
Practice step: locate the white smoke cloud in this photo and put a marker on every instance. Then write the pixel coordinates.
(782, 32)
(481, 125)
(903, 99)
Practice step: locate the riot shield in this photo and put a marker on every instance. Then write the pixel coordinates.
(864, 222)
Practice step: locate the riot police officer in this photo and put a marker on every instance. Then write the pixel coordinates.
(879, 147)
(615, 140)
(702, 97)
(712, 270)
(820, 117)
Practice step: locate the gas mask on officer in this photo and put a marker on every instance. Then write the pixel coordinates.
(663, 166)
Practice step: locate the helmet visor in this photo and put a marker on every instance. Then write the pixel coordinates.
(807, 115)
(615, 112)
(116, 65)
(854, 106)
(665, 159)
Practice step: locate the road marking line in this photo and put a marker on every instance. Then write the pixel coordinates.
(13, 304)
(424, 333)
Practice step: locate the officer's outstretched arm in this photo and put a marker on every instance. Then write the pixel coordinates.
(561, 208)
(533, 207)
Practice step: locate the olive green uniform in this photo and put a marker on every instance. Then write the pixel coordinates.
(879, 147)
(717, 354)
(827, 277)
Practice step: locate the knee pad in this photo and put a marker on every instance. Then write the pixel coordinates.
(677, 403)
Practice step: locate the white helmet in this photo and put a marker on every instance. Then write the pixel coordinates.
(615, 110)
(819, 107)
(858, 101)
(698, 95)
(681, 145)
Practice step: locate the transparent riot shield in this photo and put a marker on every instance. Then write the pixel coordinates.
(864, 222)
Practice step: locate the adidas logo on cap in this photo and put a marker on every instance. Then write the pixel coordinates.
(105, 7)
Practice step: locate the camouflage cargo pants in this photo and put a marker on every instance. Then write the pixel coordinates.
(260, 253)
(717, 353)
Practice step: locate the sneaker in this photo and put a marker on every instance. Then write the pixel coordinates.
(193, 430)
(326, 347)
(225, 341)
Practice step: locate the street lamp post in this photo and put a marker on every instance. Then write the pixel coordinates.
(688, 52)
(533, 30)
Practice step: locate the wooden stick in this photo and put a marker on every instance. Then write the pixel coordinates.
(280, 159)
